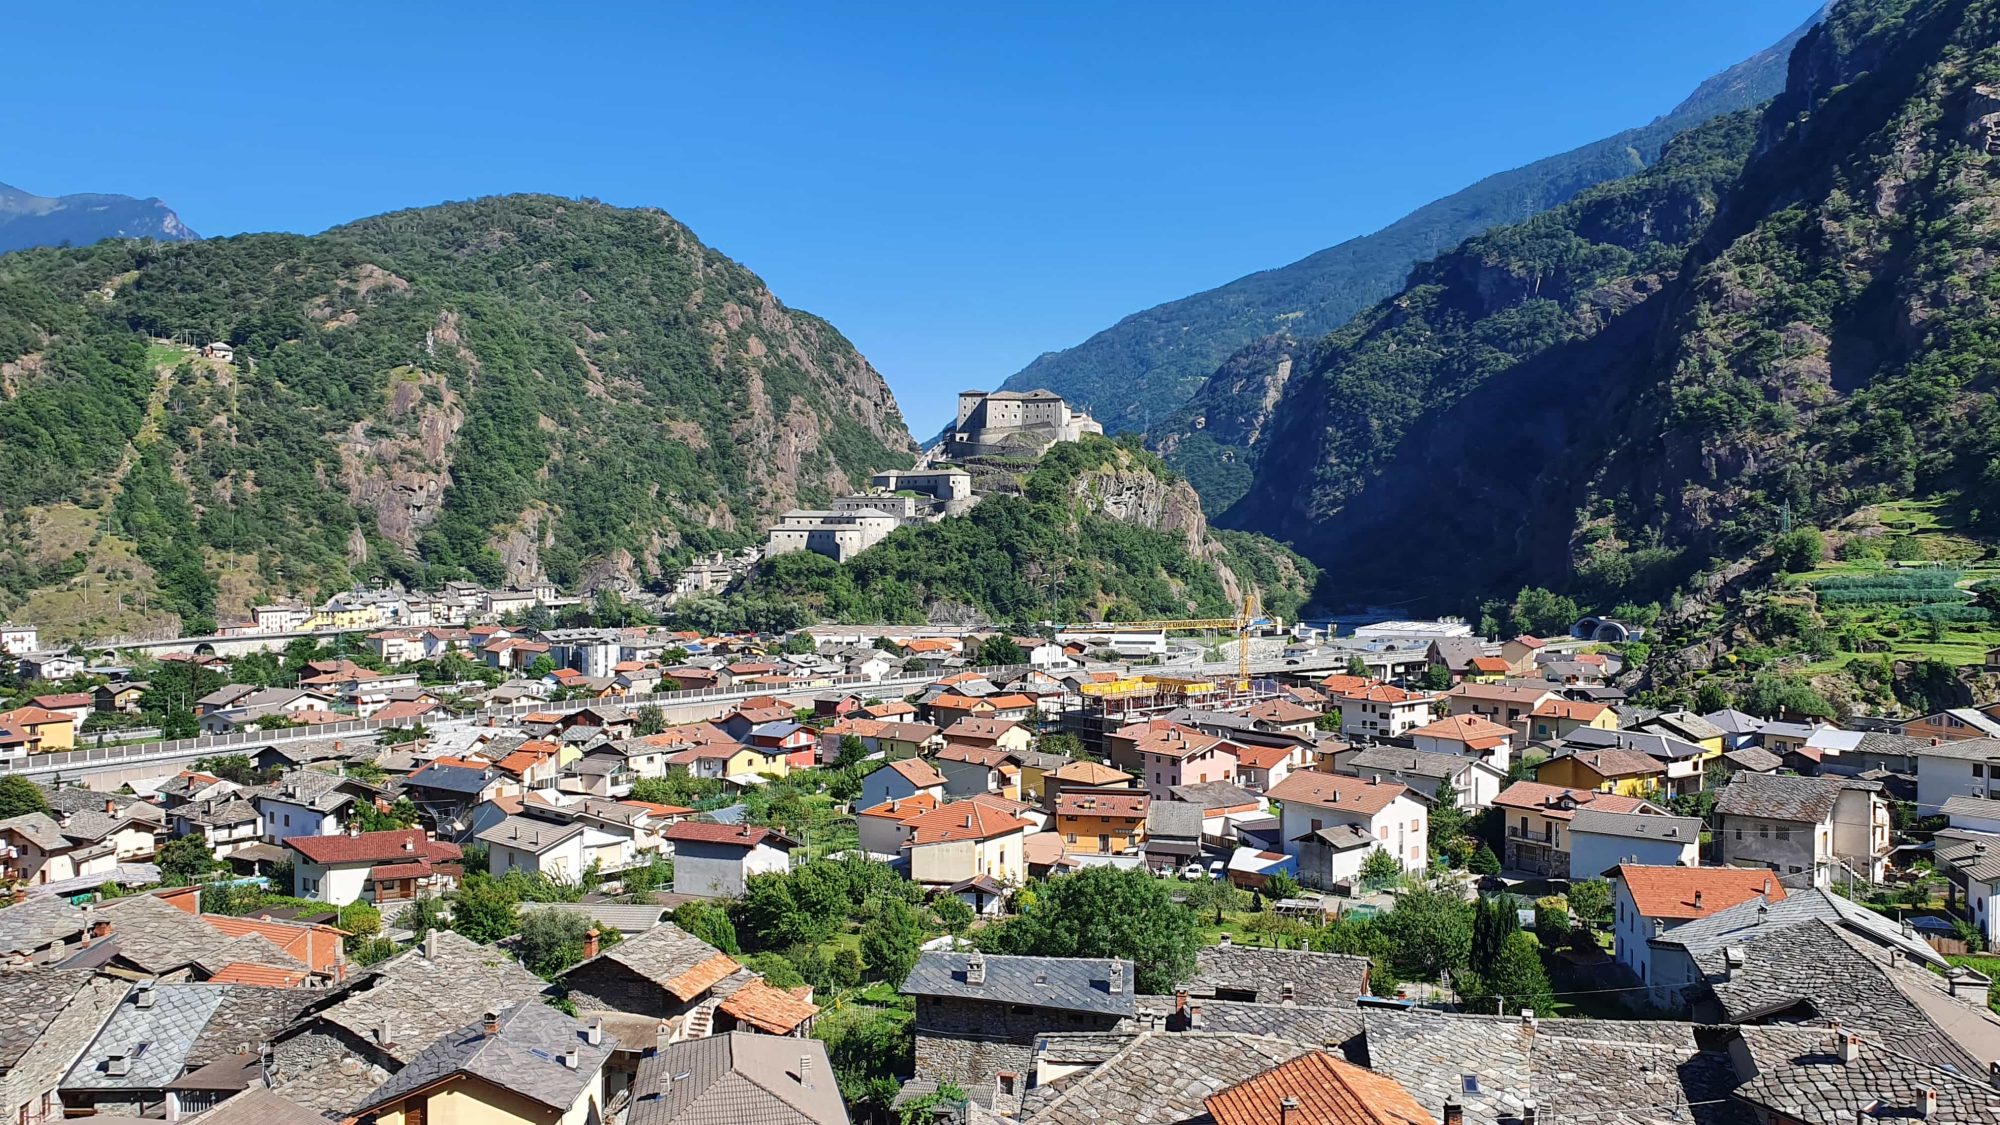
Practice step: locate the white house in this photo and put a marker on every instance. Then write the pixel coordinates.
(1962, 768)
(1331, 823)
(540, 845)
(1817, 826)
(18, 640)
(1648, 901)
(1599, 841)
(302, 803)
(905, 777)
(1474, 782)
(386, 868)
(1470, 735)
(1381, 711)
(716, 860)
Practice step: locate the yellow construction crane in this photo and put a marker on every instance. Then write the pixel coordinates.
(1251, 616)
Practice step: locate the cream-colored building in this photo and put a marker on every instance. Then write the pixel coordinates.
(965, 840)
(527, 1064)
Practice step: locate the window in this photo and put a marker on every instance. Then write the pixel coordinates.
(1739, 832)
(1104, 843)
(1978, 770)
(1071, 838)
(1383, 832)
(1763, 832)
(1784, 832)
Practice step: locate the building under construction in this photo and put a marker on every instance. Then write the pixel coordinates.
(1135, 699)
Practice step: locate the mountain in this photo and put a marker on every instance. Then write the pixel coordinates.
(1094, 530)
(1134, 373)
(507, 388)
(1789, 320)
(28, 220)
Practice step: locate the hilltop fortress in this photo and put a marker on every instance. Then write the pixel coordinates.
(1014, 422)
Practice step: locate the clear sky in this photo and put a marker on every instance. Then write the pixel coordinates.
(957, 186)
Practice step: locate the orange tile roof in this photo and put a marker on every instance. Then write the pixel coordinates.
(858, 727)
(917, 772)
(1680, 894)
(404, 709)
(888, 710)
(902, 809)
(1174, 741)
(702, 977)
(1569, 709)
(1042, 849)
(1090, 773)
(314, 946)
(1282, 711)
(770, 1010)
(259, 976)
(990, 757)
(1322, 1090)
(34, 716)
(1385, 693)
(1501, 693)
(1262, 757)
(958, 703)
(927, 645)
(1548, 800)
(1616, 762)
(1475, 731)
(658, 809)
(1527, 641)
(978, 728)
(1340, 683)
(963, 820)
(1491, 665)
(1011, 702)
(1335, 791)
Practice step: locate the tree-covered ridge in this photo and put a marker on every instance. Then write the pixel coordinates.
(1051, 553)
(503, 388)
(1134, 374)
(1476, 311)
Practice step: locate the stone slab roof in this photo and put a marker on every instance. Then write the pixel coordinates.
(148, 1036)
(424, 994)
(1071, 984)
(1801, 1076)
(523, 1054)
(670, 957)
(1779, 797)
(1315, 978)
(738, 1079)
(1161, 1077)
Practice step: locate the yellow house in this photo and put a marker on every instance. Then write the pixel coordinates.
(343, 617)
(1102, 821)
(1555, 719)
(46, 730)
(527, 1064)
(1628, 773)
(1688, 727)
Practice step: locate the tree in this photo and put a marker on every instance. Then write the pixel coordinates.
(231, 767)
(800, 907)
(1799, 549)
(869, 1049)
(1710, 698)
(1281, 885)
(1431, 931)
(1447, 821)
(1514, 980)
(424, 915)
(649, 721)
(1484, 862)
(484, 910)
(1356, 666)
(1493, 919)
(543, 665)
(19, 796)
(1437, 677)
(1065, 744)
(852, 752)
(1590, 901)
(954, 915)
(402, 814)
(553, 940)
(708, 922)
(361, 921)
(997, 651)
(185, 859)
(1104, 912)
(1379, 868)
(890, 941)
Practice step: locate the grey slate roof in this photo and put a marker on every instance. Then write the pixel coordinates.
(530, 833)
(1215, 794)
(256, 1106)
(738, 1079)
(1779, 797)
(29, 1003)
(626, 919)
(37, 922)
(152, 935)
(1816, 972)
(1756, 759)
(1394, 761)
(1965, 804)
(1636, 826)
(1607, 1072)
(1173, 818)
(426, 997)
(524, 1056)
(1965, 749)
(1323, 979)
(1070, 984)
(1740, 923)
(167, 1029)
(1801, 1076)
(661, 954)
(1308, 1025)
(1730, 721)
(37, 828)
(247, 1018)
(1665, 747)
(320, 792)
(1160, 1077)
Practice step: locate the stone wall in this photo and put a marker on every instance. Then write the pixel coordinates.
(970, 1042)
(607, 986)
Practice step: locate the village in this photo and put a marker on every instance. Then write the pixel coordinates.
(859, 873)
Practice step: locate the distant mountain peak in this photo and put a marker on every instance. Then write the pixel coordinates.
(28, 220)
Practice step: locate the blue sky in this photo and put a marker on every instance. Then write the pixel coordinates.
(957, 187)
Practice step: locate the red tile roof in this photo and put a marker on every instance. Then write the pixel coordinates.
(1684, 893)
(770, 1010)
(316, 947)
(735, 835)
(1334, 791)
(902, 809)
(1569, 709)
(1114, 803)
(372, 847)
(917, 772)
(71, 699)
(1549, 800)
(259, 976)
(1473, 730)
(963, 820)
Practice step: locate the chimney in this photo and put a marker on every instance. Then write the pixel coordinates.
(806, 1071)
(1528, 1019)
(385, 1032)
(1697, 898)
(590, 946)
(1288, 995)
(1180, 1005)
(1850, 1046)
(1927, 1102)
(353, 829)
(1528, 1114)
(118, 1065)
(1732, 960)
(491, 1025)
(1225, 943)
(110, 807)
(1117, 978)
(568, 1057)
(145, 997)
(99, 929)
(1993, 1074)
(1194, 1016)
(1454, 1112)
(975, 969)
(430, 945)
(1288, 1110)
(593, 1033)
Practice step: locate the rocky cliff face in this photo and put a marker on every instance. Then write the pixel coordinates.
(28, 220)
(1783, 341)
(1211, 440)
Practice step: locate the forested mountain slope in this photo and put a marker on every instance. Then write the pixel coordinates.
(28, 220)
(507, 388)
(1134, 374)
(1653, 380)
